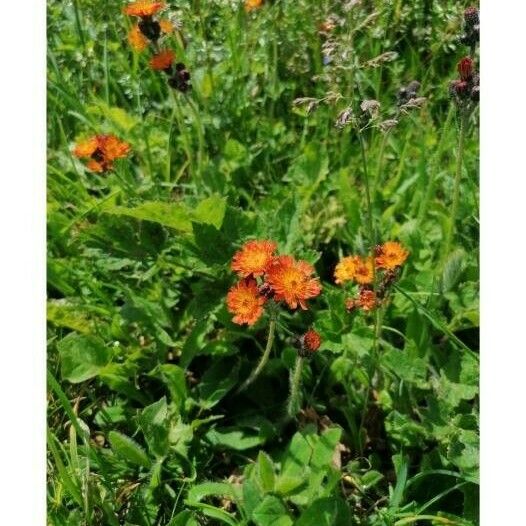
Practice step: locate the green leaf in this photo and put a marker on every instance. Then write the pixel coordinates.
(234, 439)
(216, 382)
(210, 211)
(265, 471)
(206, 489)
(326, 512)
(67, 315)
(154, 424)
(271, 512)
(82, 357)
(126, 448)
(174, 378)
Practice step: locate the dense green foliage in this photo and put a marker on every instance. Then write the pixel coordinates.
(145, 424)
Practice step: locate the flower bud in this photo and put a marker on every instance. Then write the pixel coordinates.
(471, 16)
(465, 68)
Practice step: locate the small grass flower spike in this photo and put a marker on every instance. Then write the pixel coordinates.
(374, 278)
(268, 281)
(102, 151)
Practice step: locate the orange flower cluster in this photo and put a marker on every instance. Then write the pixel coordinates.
(389, 257)
(265, 275)
(148, 30)
(102, 151)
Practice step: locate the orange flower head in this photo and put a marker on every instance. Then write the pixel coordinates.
(254, 258)
(113, 148)
(367, 300)
(250, 5)
(101, 150)
(166, 26)
(243, 300)
(163, 60)
(311, 340)
(345, 270)
(291, 281)
(364, 271)
(86, 148)
(143, 8)
(391, 255)
(137, 40)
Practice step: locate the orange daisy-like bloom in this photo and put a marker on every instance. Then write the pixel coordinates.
(250, 5)
(254, 258)
(391, 255)
(102, 151)
(143, 8)
(345, 270)
(367, 300)
(291, 281)
(163, 60)
(243, 300)
(364, 271)
(312, 340)
(137, 40)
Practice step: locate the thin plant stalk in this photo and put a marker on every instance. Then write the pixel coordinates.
(456, 186)
(295, 381)
(264, 357)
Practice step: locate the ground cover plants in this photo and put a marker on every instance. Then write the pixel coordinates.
(262, 263)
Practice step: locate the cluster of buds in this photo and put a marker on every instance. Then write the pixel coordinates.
(266, 276)
(307, 344)
(381, 271)
(466, 88)
(147, 32)
(471, 35)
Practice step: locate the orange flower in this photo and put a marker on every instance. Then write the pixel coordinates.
(137, 40)
(166, 26)
(253, 258)
(291, 281)
(367, 300)
(250, 5)
(391, 255)
(244, 301)
(102, 151)
(163, 60)
(345, 270)
(364, 272)
(311, 340)
(351, 304)
(143, 8)
(86, 148)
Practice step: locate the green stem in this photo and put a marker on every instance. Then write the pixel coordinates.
(370, 226)
(456, 187)
(295, 380)
(264, 357)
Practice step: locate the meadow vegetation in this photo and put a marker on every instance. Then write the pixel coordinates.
(263, 269)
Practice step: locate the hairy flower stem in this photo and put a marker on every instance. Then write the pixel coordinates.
(295, 380)
(456, 187)
(264, 357)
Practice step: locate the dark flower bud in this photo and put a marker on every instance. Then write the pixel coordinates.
(475, 93)
(458, 87)
(465, 68)
(471, 16)
(150, 28)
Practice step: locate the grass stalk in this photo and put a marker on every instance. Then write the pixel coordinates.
(456, 186)
(295, 381)
(264, 357)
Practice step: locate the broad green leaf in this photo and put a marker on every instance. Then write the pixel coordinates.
(154, 424)
(234, 439)
(128, 449)
(265, 470)
(68, 315)
(82, 357)
(330, 511)
(271, 512)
